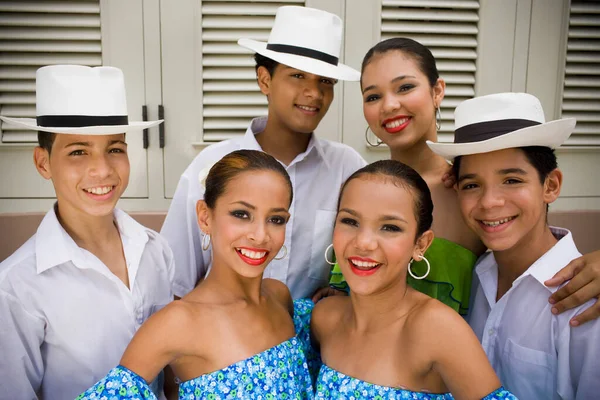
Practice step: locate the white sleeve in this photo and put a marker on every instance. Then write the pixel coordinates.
(21, 338)
(182, 232)
(579, 361)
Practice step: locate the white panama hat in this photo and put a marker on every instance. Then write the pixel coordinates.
(82, 100)
(502, 121)
(307, 39)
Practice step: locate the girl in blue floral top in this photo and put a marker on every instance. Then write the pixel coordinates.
(233, 336)
(387, 340)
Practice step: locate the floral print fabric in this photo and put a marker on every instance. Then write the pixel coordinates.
(280, 372)
(332, 384)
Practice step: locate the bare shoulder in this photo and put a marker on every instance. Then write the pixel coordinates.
(279, 291)
(328, 311)
(440, 326)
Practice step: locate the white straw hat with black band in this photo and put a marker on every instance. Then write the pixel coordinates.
(502, 121)
(306, 39)
(81, 100)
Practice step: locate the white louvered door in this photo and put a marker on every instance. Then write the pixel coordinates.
(46, 32)
(581, 95)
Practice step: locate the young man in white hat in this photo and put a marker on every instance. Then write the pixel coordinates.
(507, 176)
(73, 295)
(297, 70)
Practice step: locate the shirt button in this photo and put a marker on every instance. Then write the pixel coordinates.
(491, 331)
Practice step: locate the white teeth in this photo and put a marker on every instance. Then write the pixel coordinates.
(255, 255)
(99, 190)
(499, 222)
(306, 108)
(396, 123)
(364, 264)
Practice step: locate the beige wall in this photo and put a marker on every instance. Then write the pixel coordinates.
(15, 229)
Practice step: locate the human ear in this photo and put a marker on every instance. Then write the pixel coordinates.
(439, 90)
(203, 215)
(263, 78)
(422, 244)
(552, 186)
(41, 160)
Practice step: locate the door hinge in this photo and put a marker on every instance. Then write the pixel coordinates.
(161, 127)
(145, 118)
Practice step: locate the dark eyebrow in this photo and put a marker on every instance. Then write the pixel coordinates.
(250, 206)
(85, 144)
(351, 212)
(507, 171)
(465, 176)
(117, 142)
(396, 79)
(393, 218)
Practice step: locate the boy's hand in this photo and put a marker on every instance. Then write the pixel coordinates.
(327, 291)
(584, 273)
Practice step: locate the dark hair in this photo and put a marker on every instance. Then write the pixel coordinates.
(236, 163)
(543, 159)
(420, 53)
(404, 176)
(262, 61)
(46, 140)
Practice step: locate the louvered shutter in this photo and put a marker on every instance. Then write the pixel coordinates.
(581, 96)
(37, 33)
(230, 95)
(449, 29)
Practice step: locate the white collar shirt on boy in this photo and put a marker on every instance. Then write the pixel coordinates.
(316, 174)
(65, 319)
(535, 353)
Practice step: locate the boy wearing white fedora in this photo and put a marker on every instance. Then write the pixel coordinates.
(507, 176)
(296, 69)
(73, 295)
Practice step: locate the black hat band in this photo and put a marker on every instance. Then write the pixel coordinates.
(80, 121)
(488, 130)
(303, 51)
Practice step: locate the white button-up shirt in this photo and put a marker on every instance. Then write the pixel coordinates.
(317, 176)
(535, 353)
(65, 318)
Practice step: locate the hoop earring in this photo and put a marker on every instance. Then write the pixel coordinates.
(326, 251)
(367, 139)
(438, 119)
(426, 273)
(205, 242)
(284, 255)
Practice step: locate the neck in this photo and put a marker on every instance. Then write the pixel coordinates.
(420, 158)
(88, 232)
(513, 262)
(232, 286)
(375, 311)
(281, 142)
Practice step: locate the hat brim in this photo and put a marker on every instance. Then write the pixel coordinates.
(307, 64)
(550, 134)
(31, 123)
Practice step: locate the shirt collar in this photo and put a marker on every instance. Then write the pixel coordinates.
(54, 246)
(541, 270)
(554, 259)
(258, 125)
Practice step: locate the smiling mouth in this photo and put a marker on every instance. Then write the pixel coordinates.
(252, 257)
(100, 190)
(308, 108)
(496, 223)
(396, 123)
(362, 267)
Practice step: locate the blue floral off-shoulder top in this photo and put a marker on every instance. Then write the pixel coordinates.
(280, 372)
(332, 384)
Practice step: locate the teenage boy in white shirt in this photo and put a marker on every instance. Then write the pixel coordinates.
(507, 175)
(72, 297)
(297, 70)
